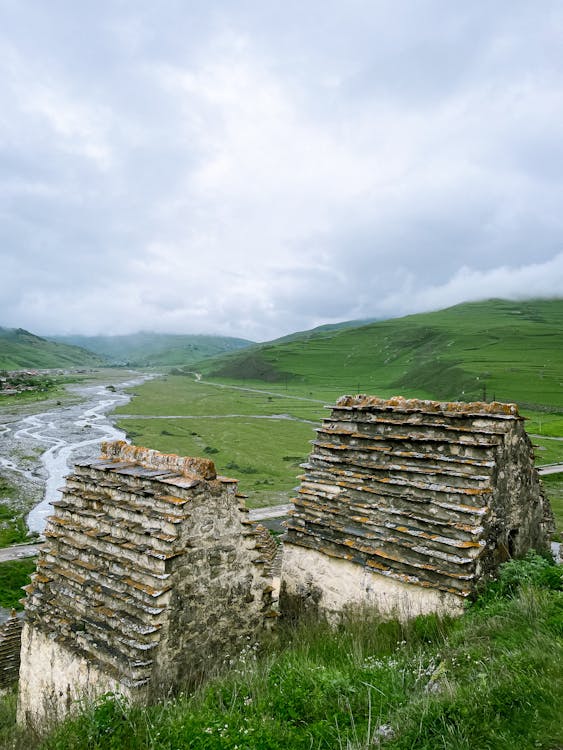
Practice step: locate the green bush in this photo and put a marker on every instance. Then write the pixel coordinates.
(531, 570)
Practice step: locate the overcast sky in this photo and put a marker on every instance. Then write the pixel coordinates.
(252, 168)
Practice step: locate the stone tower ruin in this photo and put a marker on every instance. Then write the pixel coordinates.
(151, 573)
(407, 505)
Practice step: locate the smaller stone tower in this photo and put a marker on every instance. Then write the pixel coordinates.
(151, 573)
(407, 505)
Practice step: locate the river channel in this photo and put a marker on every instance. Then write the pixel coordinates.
(38, 450)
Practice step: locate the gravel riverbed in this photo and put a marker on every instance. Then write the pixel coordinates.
(38, 449)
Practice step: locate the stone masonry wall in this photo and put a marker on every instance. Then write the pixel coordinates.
(151, 573)
(409, 504)
(10, 644)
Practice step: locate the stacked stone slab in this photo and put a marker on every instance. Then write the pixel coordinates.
(409, 504)
(10, 642)
(151, 573)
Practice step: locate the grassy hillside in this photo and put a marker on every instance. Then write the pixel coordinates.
(20, 349)
(322, 329)
(511, 351)
(145, 349)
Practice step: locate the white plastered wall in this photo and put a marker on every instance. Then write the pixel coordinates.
(55, 681)
(344, 584)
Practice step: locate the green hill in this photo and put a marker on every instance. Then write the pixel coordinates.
(145, 349)
(511, 351)
(21, 349)
(322, 329)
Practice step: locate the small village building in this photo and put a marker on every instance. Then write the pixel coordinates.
(409, 505)
(151, 573)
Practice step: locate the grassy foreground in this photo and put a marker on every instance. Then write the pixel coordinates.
(490, 679)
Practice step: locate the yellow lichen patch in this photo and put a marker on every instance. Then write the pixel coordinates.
(172, 499)
(120, 451)
(101, 610)
(85, 564)
(40, 578)
(399, 403)
(150, 590)
(70, 574)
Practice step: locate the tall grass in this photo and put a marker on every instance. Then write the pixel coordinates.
(490, 679)
(13, 575)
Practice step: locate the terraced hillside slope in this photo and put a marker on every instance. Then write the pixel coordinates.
(20, 349)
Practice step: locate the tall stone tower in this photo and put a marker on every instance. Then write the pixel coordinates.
(151, 573)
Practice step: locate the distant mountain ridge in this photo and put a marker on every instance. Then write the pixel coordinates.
(509, 350)
(20, 349)
(145, 348)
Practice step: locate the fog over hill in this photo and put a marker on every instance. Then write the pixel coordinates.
(142, 349)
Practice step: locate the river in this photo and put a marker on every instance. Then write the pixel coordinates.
(38, 450)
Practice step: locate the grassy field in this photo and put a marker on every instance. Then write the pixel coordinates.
(256, 437)
(490, 679)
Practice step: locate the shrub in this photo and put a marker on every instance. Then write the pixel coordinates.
(531, 570)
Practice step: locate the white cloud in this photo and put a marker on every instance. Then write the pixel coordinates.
(520, 282)
(234, 170)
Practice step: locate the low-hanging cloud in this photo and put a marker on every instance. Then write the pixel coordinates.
(231, 168)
